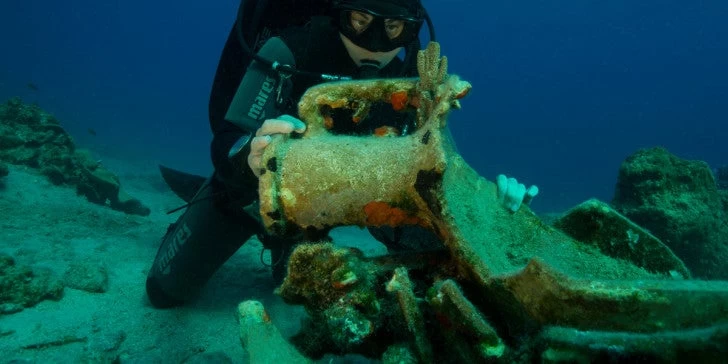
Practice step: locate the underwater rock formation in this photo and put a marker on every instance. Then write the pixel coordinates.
(87, 277)
(22, 286)
(504, 280)
(598, 224)
(31, 137)
(678, 201)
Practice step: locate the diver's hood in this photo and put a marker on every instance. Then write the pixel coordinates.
(395, 9)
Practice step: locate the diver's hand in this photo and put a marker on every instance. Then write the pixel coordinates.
(271, 128)
(512, 194)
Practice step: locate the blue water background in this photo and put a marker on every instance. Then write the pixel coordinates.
(563, 90)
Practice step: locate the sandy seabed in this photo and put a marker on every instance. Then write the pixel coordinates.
(50, 227)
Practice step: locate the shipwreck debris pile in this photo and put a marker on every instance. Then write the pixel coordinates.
(31, 137)
(505, 288)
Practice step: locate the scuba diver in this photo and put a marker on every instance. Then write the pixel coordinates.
(275, 51)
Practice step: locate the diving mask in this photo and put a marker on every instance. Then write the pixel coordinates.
(378, 31)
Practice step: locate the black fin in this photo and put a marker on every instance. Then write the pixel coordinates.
(184, 185)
